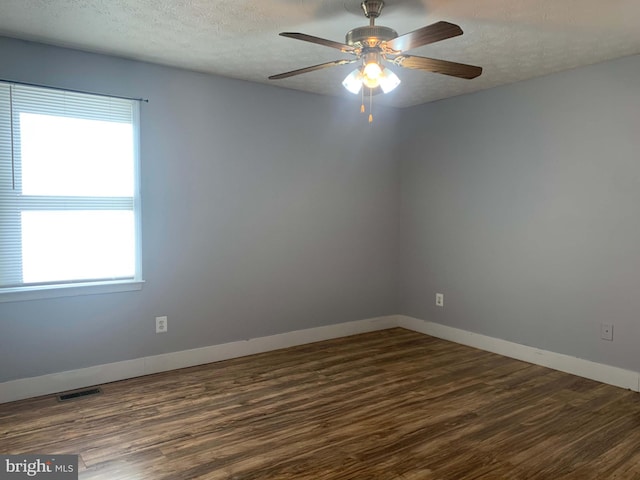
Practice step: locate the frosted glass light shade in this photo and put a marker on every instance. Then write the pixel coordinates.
(353, 81)
(388, 80)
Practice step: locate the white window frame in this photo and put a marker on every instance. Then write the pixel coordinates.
(64, 289)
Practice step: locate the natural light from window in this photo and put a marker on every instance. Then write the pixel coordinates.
(54, 153)
(76, 245)
(76, 157)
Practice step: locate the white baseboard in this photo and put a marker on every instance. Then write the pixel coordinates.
(616, 376)
(111, 372)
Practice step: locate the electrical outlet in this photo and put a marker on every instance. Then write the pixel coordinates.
(439, 299)
(161, 324)
(606, 331)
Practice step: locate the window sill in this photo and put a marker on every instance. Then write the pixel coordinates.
(20, 294)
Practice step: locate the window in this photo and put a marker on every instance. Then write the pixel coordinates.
(69, 203)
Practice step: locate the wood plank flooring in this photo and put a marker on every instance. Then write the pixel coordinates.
(386, 405)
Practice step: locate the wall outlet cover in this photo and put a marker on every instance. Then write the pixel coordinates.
(606, 331)
(161, 324)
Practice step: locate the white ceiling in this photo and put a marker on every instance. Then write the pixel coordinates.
(511, 39)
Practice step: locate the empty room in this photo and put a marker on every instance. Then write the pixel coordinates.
(314, 240)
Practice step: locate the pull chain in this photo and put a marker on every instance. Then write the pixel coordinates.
(371, 105)
(362, 106)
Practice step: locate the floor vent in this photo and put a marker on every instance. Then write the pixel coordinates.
(79, 394)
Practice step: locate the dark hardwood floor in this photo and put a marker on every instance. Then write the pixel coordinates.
(386, 405)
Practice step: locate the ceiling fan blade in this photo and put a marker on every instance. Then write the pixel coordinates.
(319, 41)
(311, 69)
(425, 35)
(444, 67)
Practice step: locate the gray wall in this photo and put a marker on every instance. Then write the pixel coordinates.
(268, 210)
(522, 205)
(264, 211)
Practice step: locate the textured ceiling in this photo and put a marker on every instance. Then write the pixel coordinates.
(511, 39)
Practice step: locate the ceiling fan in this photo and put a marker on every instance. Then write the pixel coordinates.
(374, 45)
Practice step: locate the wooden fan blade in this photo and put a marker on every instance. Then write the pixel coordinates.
(444, 67)
(311, 69)
(319, 41)
(425, 35)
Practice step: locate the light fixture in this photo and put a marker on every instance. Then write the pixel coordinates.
(371, 76)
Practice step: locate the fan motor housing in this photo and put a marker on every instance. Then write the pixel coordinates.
(369, 36)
